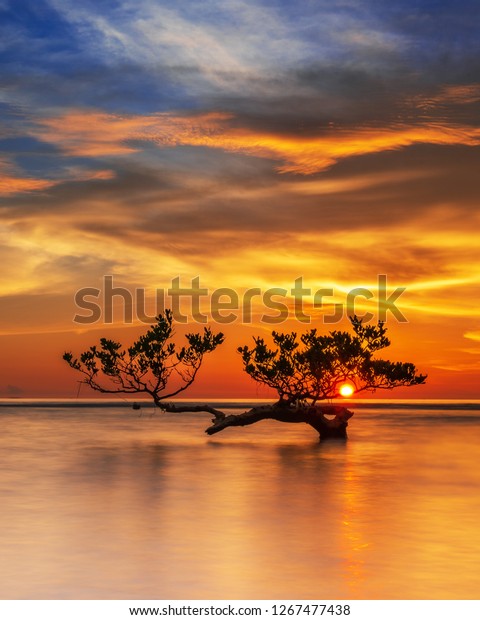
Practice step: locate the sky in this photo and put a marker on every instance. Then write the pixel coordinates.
(247, 144)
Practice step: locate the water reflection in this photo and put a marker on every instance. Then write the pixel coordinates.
(103, 504)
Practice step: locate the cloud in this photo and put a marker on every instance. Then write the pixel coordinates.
(214, 39)
(473, 335)
(456, 94)
(96, 134)
(249, 49)
(14, 180)
(397, 211)
(11, 182)
(187, 54)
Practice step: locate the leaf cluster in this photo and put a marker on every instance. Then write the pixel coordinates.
(312, 367)
(148, 364)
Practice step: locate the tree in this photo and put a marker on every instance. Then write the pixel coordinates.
(304, 371)
(316, 370)
(152, 365)
(313, 368)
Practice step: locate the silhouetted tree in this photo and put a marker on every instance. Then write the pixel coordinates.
(313, 367)
(149, 366)
(302, 370)
(310, 368)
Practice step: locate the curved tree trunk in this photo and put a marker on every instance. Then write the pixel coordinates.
(330, 421)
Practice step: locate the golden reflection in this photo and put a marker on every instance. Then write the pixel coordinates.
(353, 541)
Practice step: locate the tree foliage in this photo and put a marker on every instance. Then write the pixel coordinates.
(150, 365)
(312, 367)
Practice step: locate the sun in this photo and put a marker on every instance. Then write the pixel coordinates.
(346, 390)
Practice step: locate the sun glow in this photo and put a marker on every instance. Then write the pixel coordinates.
(346, 390)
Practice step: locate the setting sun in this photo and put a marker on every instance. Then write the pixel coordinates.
(346, 390)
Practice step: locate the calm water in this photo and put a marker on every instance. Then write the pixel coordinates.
(101, 503)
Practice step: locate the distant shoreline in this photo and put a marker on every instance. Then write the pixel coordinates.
(426, 404)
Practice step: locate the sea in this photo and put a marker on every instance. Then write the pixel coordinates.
(101, 501)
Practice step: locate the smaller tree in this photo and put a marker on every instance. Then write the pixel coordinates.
(149, 366)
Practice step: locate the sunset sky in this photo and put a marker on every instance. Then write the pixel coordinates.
(247, 143)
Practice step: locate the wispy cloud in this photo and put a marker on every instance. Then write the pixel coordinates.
(98, 134)
(12, 182)
(215, 38)
(13, 185)
(457, 94)
(473, 335)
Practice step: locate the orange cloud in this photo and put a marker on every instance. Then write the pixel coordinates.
(11, 183)
(457, 94)
(14, 185)
(93, 134)
(96, 134)
(312, 155)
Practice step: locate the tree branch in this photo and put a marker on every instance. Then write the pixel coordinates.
(312, 415)
(174, 408)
